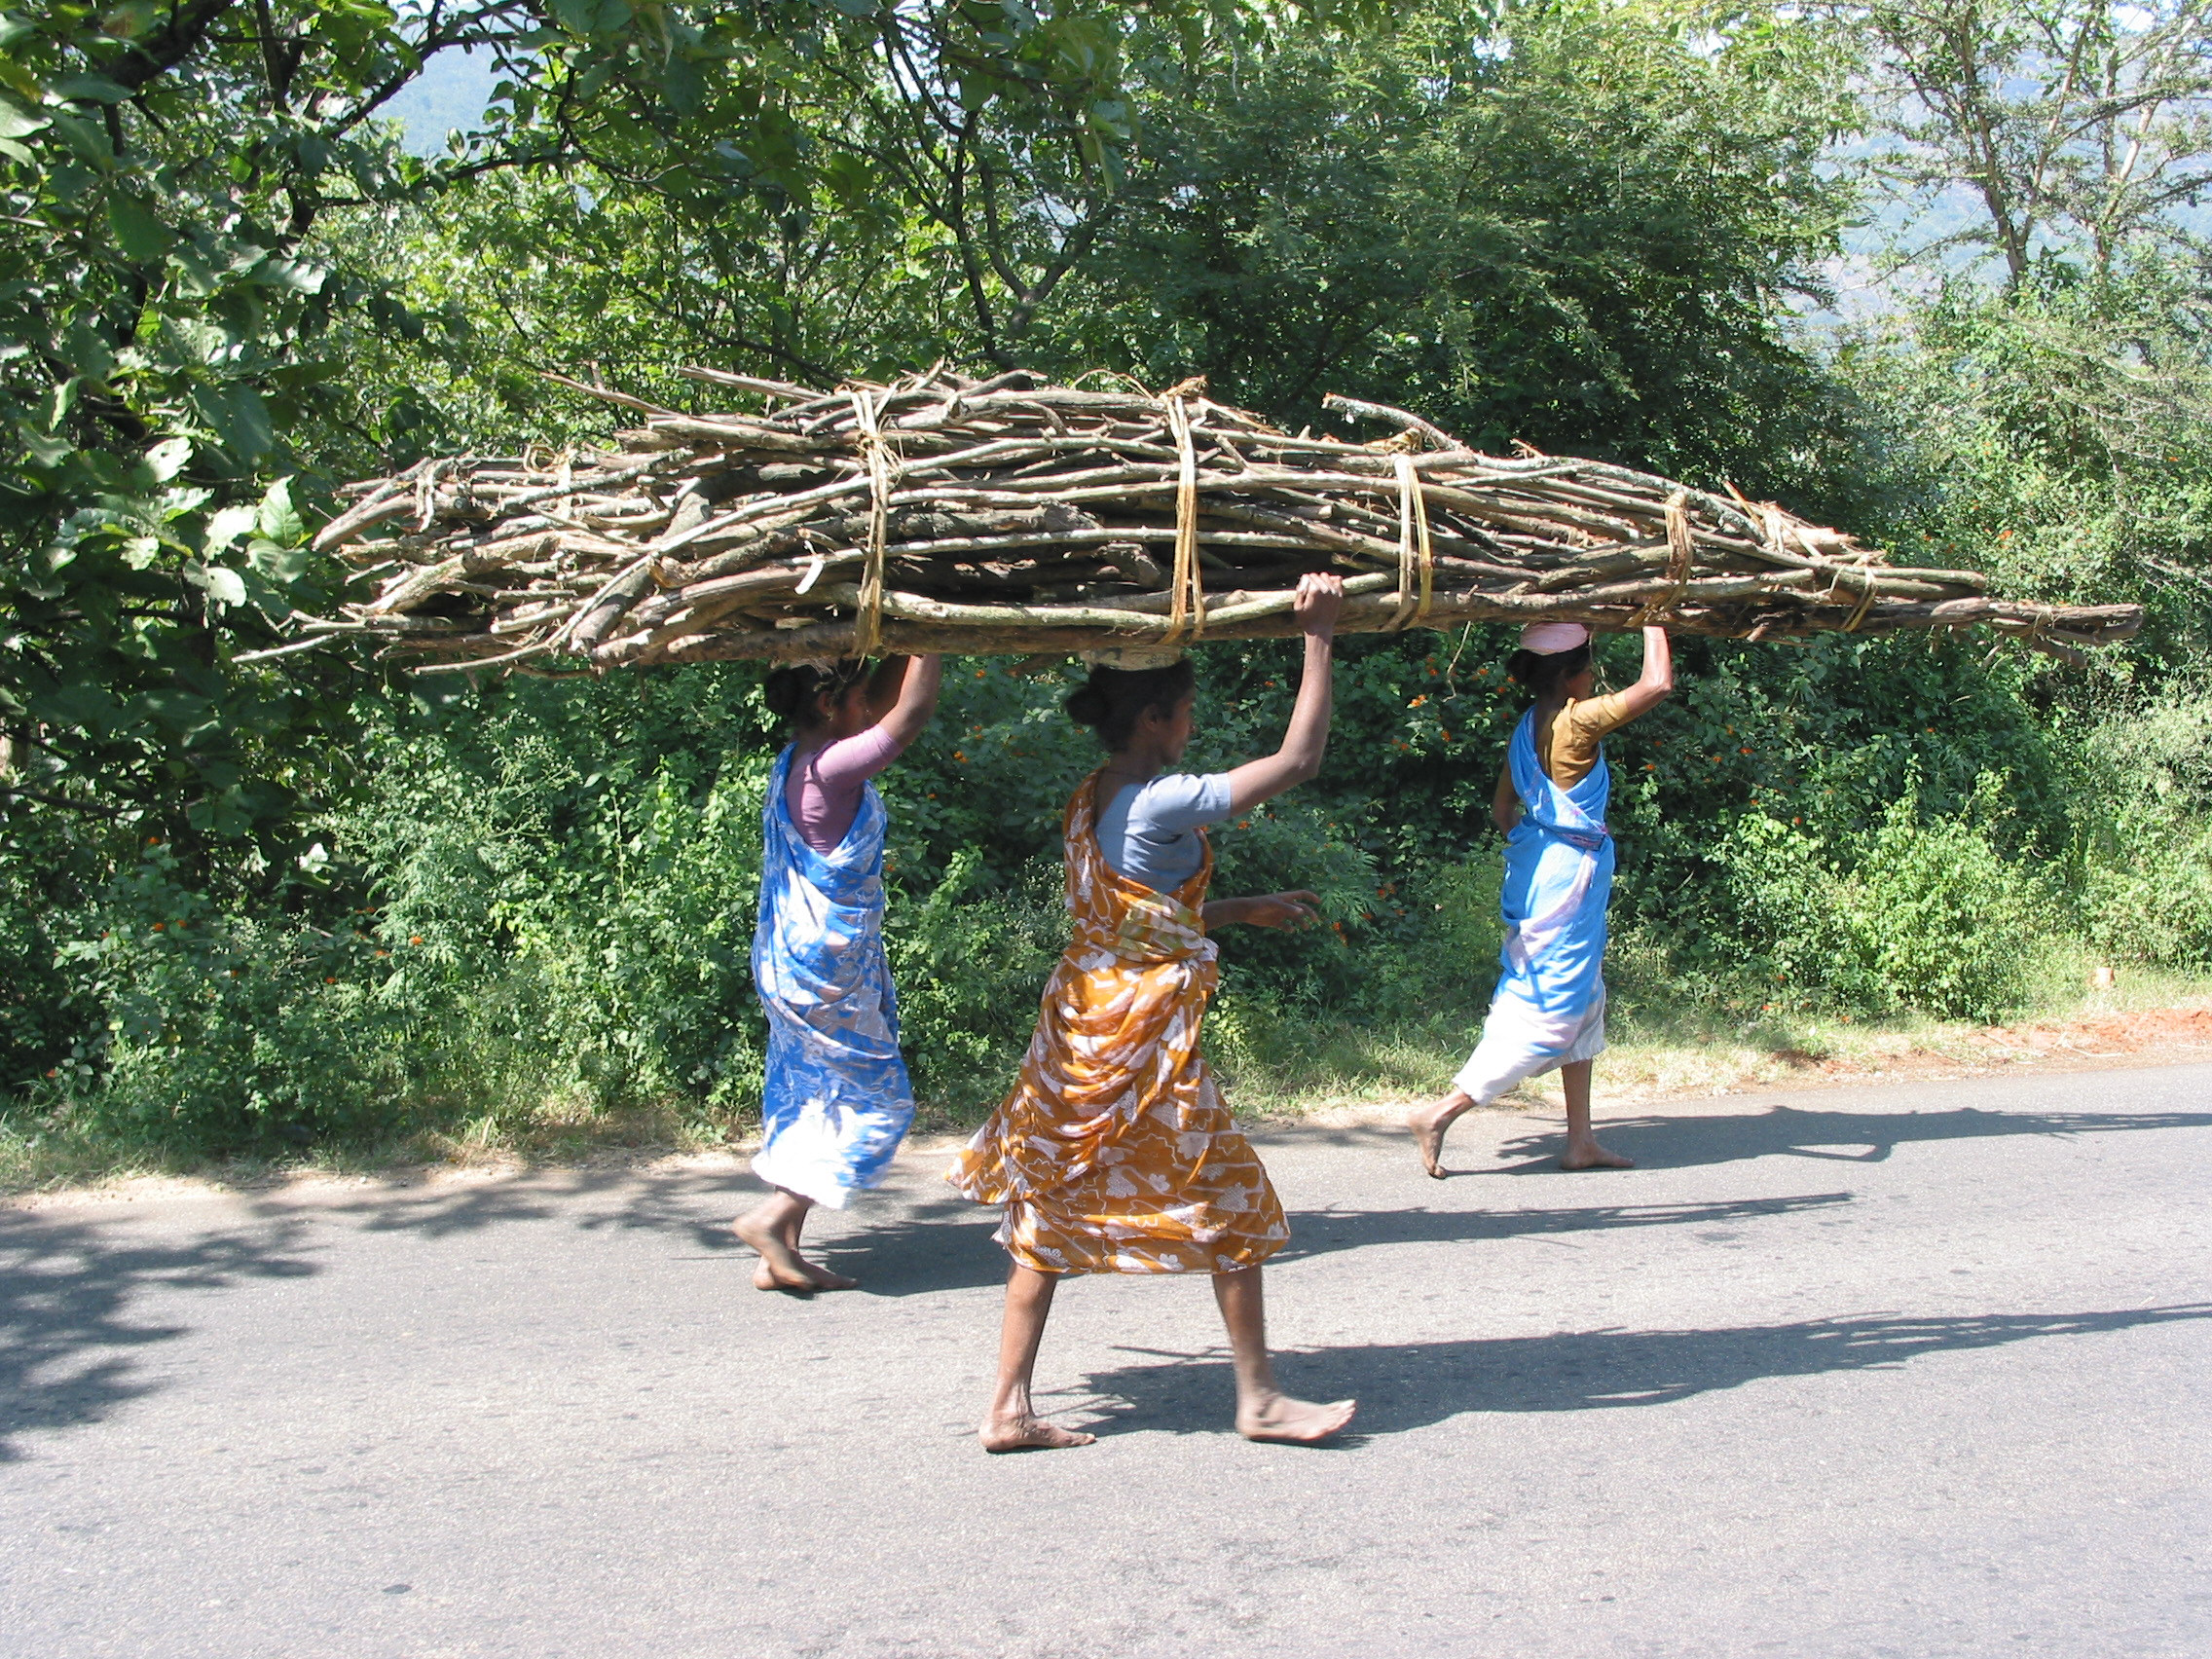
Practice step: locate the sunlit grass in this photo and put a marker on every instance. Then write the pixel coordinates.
(1272, 1063)
(1278, 1066)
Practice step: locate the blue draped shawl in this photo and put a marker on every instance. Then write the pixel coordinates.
(1548, 1006)
(836, 1101)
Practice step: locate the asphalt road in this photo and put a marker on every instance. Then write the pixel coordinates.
(1893, 1371)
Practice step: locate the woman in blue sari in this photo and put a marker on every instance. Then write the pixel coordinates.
(835, 1102)
(1549, 1010)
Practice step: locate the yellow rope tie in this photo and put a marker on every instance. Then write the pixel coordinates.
(426, 497)
(1187, 595)
(867, 626)
(1682, 552)
(1413, 534)
(1866, 596)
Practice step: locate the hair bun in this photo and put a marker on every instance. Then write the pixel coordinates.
(1086, 705)
(794, 690)
(1114, 699)
(786, 691)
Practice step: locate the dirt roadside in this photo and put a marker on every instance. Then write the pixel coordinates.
(2147, 1037)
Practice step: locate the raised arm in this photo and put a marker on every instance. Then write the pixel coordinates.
(902, 694)
(1320, 596)
(1652, 687)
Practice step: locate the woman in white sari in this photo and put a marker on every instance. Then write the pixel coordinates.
(1549, 1010)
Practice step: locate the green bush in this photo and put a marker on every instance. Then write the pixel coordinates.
(1792, 916)
(214, 1031)
(594, 926)
(1943, 922)
(38, 1027)
(1919, 912)
(2146, 879)
(2156, 908)
(969, 958)
(637, 931)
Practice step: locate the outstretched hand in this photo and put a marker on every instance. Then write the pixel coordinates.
(1279, 910)
(1320, 596)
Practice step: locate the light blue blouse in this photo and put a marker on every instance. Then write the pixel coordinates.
(1149, 832)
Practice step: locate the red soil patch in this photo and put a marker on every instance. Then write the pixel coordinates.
(2154, 1036)
(2108, 1033)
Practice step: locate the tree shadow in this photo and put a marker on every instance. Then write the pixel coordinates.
(1317, 1233)
(928, 1249)
(898, 1245)
(1407, 1386)
(69, 1342)
(1829, 1137)
(646, 1199)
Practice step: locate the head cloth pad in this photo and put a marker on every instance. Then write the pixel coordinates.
(1549, 639)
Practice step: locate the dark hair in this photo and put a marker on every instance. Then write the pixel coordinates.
(1115, 699)
(1546, 672)
(794, 691)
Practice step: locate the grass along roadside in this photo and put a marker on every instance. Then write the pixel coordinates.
(1292, 1068)
(1272, 1067)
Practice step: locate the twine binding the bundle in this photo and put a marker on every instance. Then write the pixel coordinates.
(1682, 552)
(1187, 597)
(1413, 532)
(1866, 598)
(868, 627)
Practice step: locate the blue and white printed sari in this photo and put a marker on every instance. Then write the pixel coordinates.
(1549, 1008)
(836, 1102)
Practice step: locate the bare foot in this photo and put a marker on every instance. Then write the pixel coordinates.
(823, 1277)
(781, 1267)
(1429, 1139)
(766, 1277)
(1592, 1156)
(1029, 1434)
(1429, 1126)
(1281, 1418)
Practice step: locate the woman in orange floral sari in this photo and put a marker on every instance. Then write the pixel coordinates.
(1114, 1152)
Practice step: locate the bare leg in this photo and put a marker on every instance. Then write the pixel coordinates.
(1263, 1412)
(1011, 1424)
(772, 1228)
(1582, 1149)
(1429, 1126)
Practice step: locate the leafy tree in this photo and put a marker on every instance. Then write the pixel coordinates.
(168, 301)
(1578, 225)
(2082, 126)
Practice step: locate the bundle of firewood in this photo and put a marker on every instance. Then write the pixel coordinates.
(1010, 516)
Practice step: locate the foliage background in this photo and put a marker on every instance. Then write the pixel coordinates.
(256, 909)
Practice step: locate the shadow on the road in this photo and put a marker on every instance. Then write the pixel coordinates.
(1831, 1136)
(1404, 1386)
(68, 1340)
(946, 1245)
(1317, 1233)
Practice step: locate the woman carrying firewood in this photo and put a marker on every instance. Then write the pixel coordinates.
(1549, 1008)
(1114, 1152)
(835, 1104)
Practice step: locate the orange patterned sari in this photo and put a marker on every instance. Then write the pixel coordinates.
(1113, 1154)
